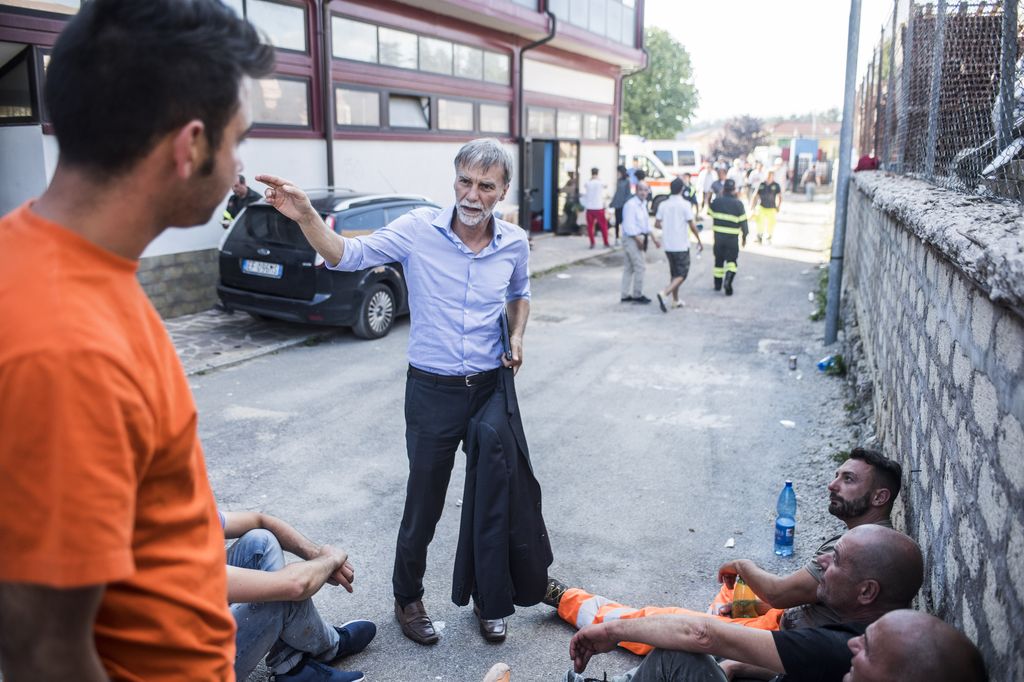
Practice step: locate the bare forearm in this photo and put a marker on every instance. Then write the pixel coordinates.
(291, 540)
(782, 592)
(518, 314)
(326, 242)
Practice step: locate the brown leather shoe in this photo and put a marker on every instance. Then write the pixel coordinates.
(416, 624)
(492, 630)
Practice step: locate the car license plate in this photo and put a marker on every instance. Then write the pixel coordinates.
(261, 268)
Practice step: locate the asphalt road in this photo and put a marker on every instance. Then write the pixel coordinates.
(656, 438)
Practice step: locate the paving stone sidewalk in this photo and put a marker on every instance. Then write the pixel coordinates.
(213, 338)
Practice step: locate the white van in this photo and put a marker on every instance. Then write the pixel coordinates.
(635, 152)
(677, 157)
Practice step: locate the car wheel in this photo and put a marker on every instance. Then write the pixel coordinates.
(656, 203)
(376, 313)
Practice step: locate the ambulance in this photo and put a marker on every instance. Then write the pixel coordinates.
(635, 152)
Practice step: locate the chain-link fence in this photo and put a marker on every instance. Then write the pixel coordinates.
(943, 96)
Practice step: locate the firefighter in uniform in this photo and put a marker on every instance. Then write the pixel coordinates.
(730, 224)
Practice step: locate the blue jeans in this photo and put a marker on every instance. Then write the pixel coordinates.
(283, 631)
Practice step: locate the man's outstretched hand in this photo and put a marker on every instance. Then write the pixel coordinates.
(286, 197)
(591, 640)
(727, 573)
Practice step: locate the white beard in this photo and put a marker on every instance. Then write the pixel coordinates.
(472, 220)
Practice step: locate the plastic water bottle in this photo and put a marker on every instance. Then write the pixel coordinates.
(785, 522)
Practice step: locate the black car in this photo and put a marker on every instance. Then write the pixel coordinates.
(267, 268)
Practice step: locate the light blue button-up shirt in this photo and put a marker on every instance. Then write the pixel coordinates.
(455, 296)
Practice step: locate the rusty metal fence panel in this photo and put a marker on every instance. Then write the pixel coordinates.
(943, 96)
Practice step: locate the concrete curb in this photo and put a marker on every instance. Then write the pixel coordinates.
(236, 358)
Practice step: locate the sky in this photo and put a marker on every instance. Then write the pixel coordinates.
(768, 58)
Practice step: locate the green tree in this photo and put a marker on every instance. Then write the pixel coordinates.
(659, 101)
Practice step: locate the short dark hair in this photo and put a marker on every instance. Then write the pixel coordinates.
(595, 171)
(676, 186)
(241, 178)
(729, 186)
(887, 473)
(640, 175)
(123, 73)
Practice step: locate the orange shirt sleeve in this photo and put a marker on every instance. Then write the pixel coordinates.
(75, 433)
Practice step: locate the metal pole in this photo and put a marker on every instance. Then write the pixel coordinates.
(938, 47)
(1006, 75)
(890, 94)
(908, 68)
(835, 266)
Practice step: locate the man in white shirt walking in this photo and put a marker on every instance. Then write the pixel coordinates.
(635, 230)
(593, 202)
(674, 215)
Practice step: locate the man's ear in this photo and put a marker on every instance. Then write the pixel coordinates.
(867, 591)
(503, 193)
(880, 497)
(189, 147)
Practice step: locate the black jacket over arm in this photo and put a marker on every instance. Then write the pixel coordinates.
(504, 551)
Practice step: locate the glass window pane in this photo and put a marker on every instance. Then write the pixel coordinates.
(233, 4)
(540, 122)
(597, 15)
(454, 115)
(353, 39)
(628, 26)
(365, 221)
(397, 48)
(356, 107)
(55, 6)
(560, 8)
(494, 118)
(409, 111)
(15, 95)
(469, 62)
(578, 12)
(613, 21)
(278, 101)
(496, 67)
(569, 124)
(284, 24)
(435, 55)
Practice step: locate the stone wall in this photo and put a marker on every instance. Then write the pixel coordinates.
(933, 284)
(180, 283)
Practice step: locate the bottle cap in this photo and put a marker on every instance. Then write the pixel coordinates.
(789, 482)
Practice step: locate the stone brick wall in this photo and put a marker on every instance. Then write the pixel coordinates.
(933, 286)
(180, 283)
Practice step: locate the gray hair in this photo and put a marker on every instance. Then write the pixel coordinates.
(485, 152)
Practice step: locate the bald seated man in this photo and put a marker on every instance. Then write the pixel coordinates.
(912, 646)
(872, 570)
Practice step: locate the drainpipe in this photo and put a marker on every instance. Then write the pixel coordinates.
(521, 139)
(323, 25)
(622, 84)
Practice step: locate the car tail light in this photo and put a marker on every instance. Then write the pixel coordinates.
(315, 317)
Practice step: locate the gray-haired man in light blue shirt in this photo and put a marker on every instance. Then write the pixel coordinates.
(463, 267)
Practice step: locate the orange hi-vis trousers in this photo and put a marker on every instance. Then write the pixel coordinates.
(580, 609)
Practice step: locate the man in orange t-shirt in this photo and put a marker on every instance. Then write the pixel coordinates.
(117, 556)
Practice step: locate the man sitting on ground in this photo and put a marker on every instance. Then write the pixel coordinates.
(272, 604)
(871, 571)
(863, 492)
(912, 646)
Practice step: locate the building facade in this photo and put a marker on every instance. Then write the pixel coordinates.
(373, 95)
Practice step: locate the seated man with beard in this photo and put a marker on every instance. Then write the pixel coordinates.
(863, 492)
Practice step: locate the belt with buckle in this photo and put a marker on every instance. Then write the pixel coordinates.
(455, 380)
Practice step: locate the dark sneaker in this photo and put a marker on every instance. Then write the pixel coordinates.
(353, 637)
(310, 670)
(661, 303)
(641, 299)
(626, 299)
(556, 588)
